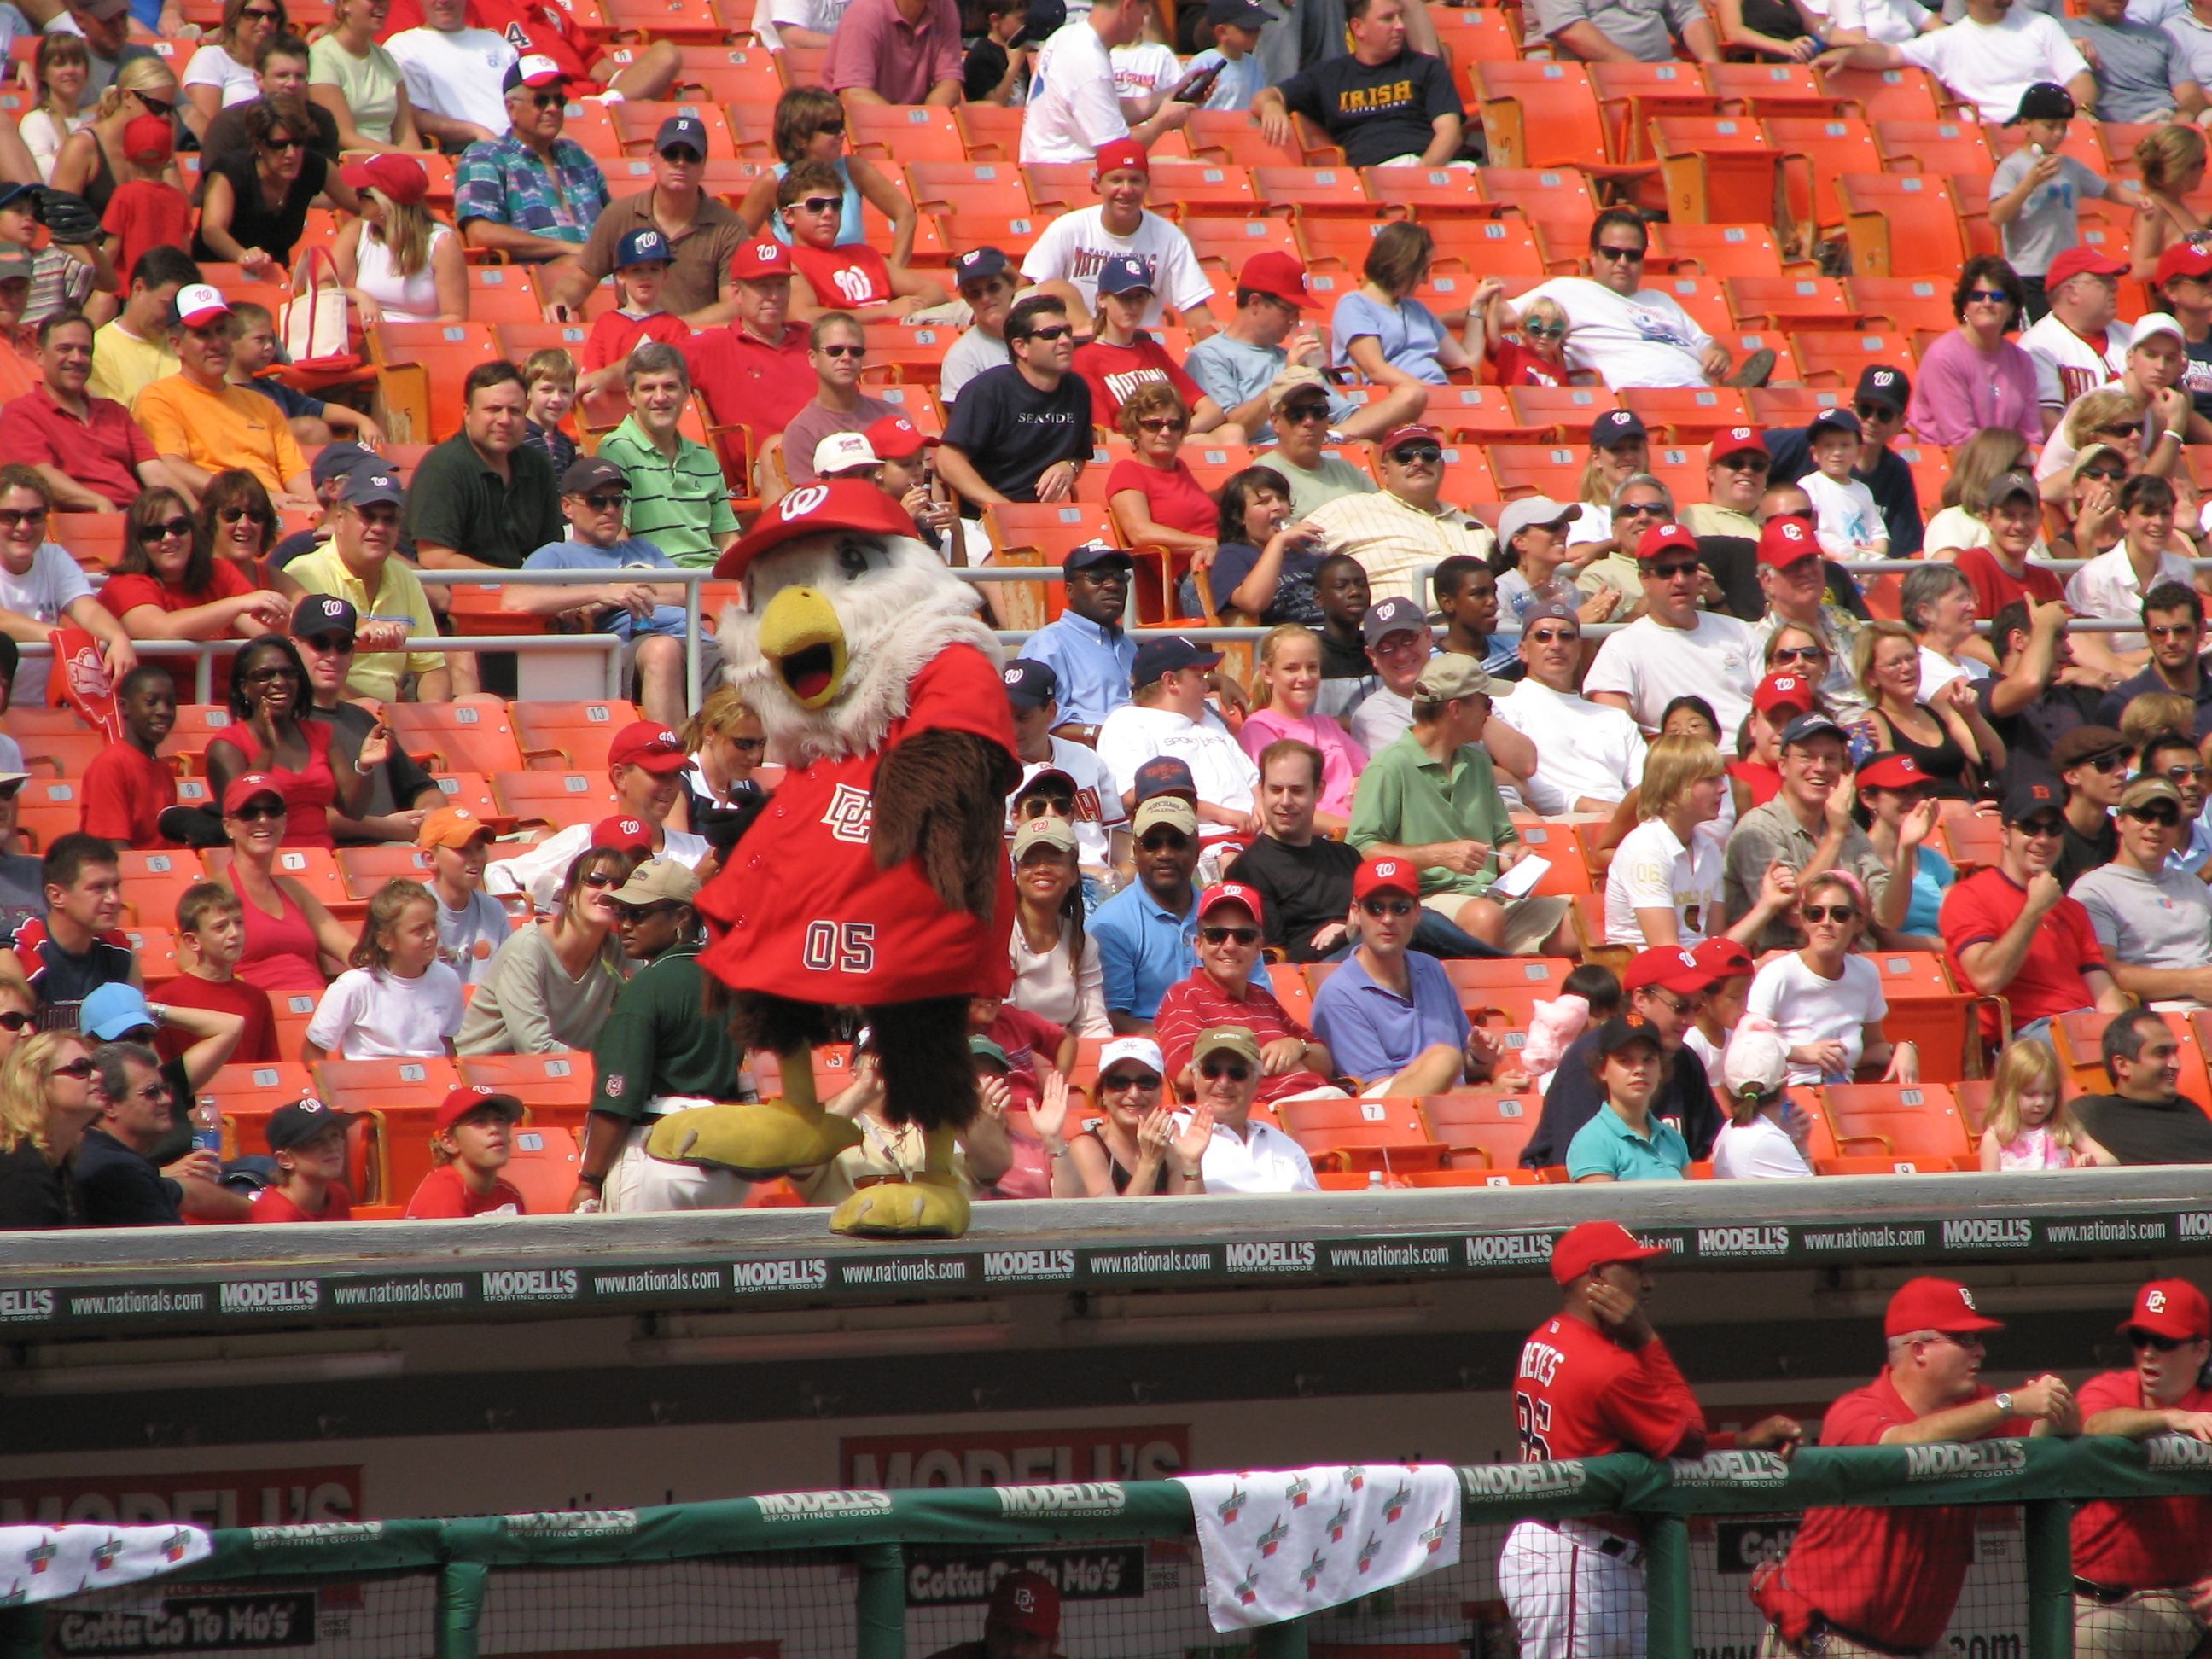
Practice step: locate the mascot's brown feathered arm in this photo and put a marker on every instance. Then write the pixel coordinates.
(941, 796)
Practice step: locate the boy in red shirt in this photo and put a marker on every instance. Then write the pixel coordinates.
(642, 260)
(210, 935)
(472, 1140)
(308, 1141)
(146, 211)
(853, 277)
(127, 788)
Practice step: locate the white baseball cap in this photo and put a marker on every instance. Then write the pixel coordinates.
(840, 450)
(2155, 322)
(1755, 1061)
(199, 304)
(1143, 1050)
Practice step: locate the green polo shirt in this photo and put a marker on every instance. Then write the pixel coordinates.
(457, 500)
(1607, 1145)
(1406, 799)
(656, 1042)
(679, 505)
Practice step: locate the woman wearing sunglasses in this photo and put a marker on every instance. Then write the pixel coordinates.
(273, 736)
(169, 584)
(1157, 500)
(1973, 377)
(810, 126)
(1127, 1154)
(1825, 1001)
(221, 73)
(293, 945)
(727, 744)
(253, 207)
(48, 1099)
(1946, 732)
(91, 159)
(549, 989)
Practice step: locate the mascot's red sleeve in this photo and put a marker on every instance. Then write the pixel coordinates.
(801, 909)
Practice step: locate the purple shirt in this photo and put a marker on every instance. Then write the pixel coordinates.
(1961, 391)
(875, 47)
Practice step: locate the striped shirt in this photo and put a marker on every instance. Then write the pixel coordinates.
(679, 505)
(1393, 539)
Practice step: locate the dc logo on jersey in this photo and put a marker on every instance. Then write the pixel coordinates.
(800, 502)
(851, 811)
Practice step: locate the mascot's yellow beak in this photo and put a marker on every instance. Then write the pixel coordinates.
(799, 633)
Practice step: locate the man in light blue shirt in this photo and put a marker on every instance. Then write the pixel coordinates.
(1084, 646)
(1147, 932)
(1394, 1008)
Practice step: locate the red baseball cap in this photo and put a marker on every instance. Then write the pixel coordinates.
(1229, 892)
(1779, 691)
(251, 785)
(395, 176)
(1121, 153)
(826, 504)
(1891, 771)
(1025, 1603)
(1387, 876)
(474, 1097)
(1785, 540)
(895, 438)
(630, 835)
(1276, 274)
(2082, 260)
(1669, 967)
(650, 745)
(1400, 434)
(1935, 1304)
(765, 258)
(2170, 1307)
(1723, 958)
(1735, 440)
(1593, 1244)
(1657, 541)
(2183, 259)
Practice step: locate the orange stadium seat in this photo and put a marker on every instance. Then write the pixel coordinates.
(1436, 193)
(1715, 250)
(1903, 303)
(958, 186)
(1766, 90)
(63, 754)
(1831, 147)
(137, 865)
(1718, 170)
(1933, 149)
(541, 1166)
(1632, 95)
(1568, 412)
(1362, 1134)
(503, 294)
(1538, 469)
(558, 798)
(992, 133)
(690, 23)
(1789, 304)
(473, 736)
(315, 868)
(1481, 1126)
(400, 1099)
(1896, 94)
(1318, 192)
(1539, 114)
(1233, 137)
(1826, 352)
(47, 808)
(575, 735)
(1013, 235)
(903, 133)
(367, 869)
(420, 367)
(1223, 244)
(1471, 414)
(555, 1088)
(1894, 1120)
(1901, 225)
(916, 353)
(1205, 190)
(1690, 415)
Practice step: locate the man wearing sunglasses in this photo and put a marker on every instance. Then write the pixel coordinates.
(837, 347)
(1389, 1014)
(1147, 932)
(1218, 1146)
(2172, 615)
(2142, 1567)
(1222, 991)
(2010, 930)
(2155, 922)
(200, 424)
(531, 192)
(2145, 1119)
(1592, 754)
(1022, 433)
(700, 232)
(2092, 762)
(1407, 523)
(1674, 649)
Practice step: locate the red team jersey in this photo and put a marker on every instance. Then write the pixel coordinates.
(1579, 1394)
(802, 902)
(848, 277)
(2146, 1543)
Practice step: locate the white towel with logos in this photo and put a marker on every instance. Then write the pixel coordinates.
(1277, 1544)
(43, 1564)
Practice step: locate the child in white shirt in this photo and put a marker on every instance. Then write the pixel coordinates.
(1848, 523)
(398, 999)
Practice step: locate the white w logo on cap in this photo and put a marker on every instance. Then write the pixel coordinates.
(800, 502)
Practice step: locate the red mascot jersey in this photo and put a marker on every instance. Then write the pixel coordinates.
(802, 911)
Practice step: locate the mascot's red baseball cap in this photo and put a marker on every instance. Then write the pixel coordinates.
(2171, 1307)
(1935, 1304)
(1593, 1244)
(831, 504)
(1025, 1603)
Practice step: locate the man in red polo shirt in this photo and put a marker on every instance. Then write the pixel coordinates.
(2142, 1569)
(92, 454)
(1874, 1583)
(2011, 931)
(1594, 1378)
(1220, 991)
(755, 371)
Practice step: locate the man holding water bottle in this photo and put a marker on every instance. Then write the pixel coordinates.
(145, 1162)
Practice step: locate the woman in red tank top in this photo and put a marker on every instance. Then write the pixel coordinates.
(268, 692)
(287, 928)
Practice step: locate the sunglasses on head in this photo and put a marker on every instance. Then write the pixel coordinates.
(1235, 1070)
(1376, 907)
(2142, 1338)
(1223, 935)
(165, 528)
(1410, 454)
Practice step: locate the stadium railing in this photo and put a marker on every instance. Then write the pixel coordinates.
(879, 1575)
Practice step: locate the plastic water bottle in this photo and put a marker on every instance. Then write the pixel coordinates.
(207, 1127)
(1375, 1181)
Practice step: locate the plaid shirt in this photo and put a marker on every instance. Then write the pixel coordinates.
(508, 182)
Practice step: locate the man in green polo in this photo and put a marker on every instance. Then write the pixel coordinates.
(1431, 799)
(679, 499)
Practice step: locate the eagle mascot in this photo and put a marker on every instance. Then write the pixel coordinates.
(876, 876)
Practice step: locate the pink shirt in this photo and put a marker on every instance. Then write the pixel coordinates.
(875, 47)
(1342, 759)
(1961, 391)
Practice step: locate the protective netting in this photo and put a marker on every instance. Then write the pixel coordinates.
(797, 1605)
(390, 1618)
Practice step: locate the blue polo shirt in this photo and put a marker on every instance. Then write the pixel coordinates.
(1094, 664)
(1144, 950)
(1372, 1032)
(1607, 1145)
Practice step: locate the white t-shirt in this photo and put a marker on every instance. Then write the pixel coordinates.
(455, 74)
(473, 934)
(369, 1016)
(53, 583)
(1936, 673)
(1990, 65)
(1644, 339)
(1809, 1009)
(1717, 660)
(1653, 871)
(1098, 810)
(2107, 587)
(541, 870)
(1759, 1150)
(1383, 717)
(971, 354)
(1076, 246)
(2066, 365)
(1845, 516)
(1893, 22)
(1141, 70)
(1596, 524)
(212, 66)
(1583, 748)
(1225, 774)
(1072, 112)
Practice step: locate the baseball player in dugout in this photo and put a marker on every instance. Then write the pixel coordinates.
(1881, 1584)
(1595, 1378)
(2142, 1582)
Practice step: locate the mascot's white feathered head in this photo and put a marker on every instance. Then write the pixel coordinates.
(843, 608)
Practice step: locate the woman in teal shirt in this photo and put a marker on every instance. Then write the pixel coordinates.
(1624, 1141)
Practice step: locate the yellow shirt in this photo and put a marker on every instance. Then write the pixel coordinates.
(399, 593)
(123, 365)
(220, 431)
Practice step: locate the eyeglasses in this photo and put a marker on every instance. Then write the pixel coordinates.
(1050, 332)
(2040, 829)
(1987, 296)
(166, 528)
(254, 812)
(636, 912)
(233, 514)
(2178, 631)
(2159, 813)
(334, 645)
(2184, 774)
(1799, 654)
(1545, 331)
(30, 518)
(1668, 572)
(1120, 1082)
(1625, 255)
(261, 14)
(1235, 1071)
(1388, 907)
(842, 351)
(1299, 414)
(1640, 510)
(1223, 935)
(270, 675)
(1414, 454)
(1830, 913)
(2117, 430)
(824, 204)
(79, 1068)
(603, 879)
(2141, 1339)
(1749, 460)
(601, 500)
(1162, 423)
(682, 155)
(1552, 636)
(2106, 765)
(155, 106)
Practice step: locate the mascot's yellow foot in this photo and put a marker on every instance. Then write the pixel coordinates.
(759, 1141)
(903, 1209)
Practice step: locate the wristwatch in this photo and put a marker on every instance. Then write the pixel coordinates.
(2002, 1402)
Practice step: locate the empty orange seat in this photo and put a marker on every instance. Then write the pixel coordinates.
(473, 736)
(559, 798)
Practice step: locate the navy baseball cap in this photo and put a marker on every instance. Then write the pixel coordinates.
(1614, 427)
(1159, 656)
(303, 1119)
(1164, 774)
(1890, 387)
(1840, 418)
(978, 264)
(324, 613)
(1125, 273)
(1243, 14)
(642, 247)
(1096, 551)
(688, 130)
(1045, 19)
(1031, 684)
(366, 486)
(1806, 727)
(1396, 615)
(339, 459)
